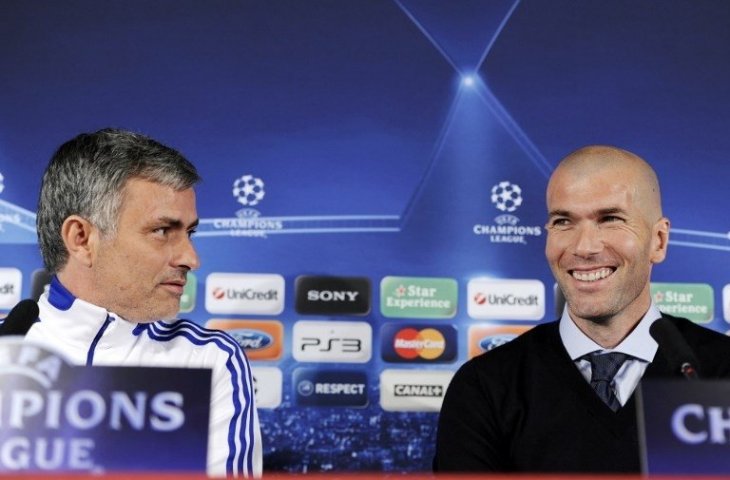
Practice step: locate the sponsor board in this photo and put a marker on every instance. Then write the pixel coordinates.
(260, 339)
(726, 302)
(683, 428)
(315, 387)
(404, 390)
(695, 301)
(268, 385)
(485, 337)
(244, 293)
(509, 299)
(11, 282)
(332, 295)
(323, 341)
(62, 418)
(418, 343)
(418, 297)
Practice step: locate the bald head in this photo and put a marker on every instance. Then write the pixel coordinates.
(596, 161)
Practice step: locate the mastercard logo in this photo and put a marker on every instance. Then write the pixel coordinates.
(411, 343)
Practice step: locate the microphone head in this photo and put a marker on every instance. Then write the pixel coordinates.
(20, 318)
(676, 350)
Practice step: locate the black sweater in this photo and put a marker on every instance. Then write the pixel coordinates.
(524, 406)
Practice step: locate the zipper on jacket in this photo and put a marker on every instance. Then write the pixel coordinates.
(99, 334)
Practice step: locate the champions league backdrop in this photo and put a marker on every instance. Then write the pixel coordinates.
(372, 207)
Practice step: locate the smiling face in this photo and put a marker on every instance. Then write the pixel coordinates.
(604, 233)
(140, 270)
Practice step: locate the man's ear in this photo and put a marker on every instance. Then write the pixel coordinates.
(659, 240)
(80, 237)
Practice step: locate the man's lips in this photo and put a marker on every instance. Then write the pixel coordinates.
(175, 286)
(592, 275)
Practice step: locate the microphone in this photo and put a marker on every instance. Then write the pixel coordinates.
(679, 355)
(20, 318)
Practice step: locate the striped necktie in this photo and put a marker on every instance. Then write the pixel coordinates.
(603, 369)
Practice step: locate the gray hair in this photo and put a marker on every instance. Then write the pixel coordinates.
(87, 175)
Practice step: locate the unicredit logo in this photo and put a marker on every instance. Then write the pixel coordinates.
(506, 299)
(244, 294)
(332, 295)
(241, 293)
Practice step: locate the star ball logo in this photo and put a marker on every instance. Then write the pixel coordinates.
(507, 197)
(248, 190)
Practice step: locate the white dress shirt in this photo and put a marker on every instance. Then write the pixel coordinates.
(639, 345)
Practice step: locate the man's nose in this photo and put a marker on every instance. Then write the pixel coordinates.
(187, 256)
(589, 240)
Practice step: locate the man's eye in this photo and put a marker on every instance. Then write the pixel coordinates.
(191, 233)
(611, 219)
(559, 222)
(161, 231)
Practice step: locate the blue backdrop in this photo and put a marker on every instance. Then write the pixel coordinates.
(377, 139)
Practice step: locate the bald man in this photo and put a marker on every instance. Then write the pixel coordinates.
(559, 398)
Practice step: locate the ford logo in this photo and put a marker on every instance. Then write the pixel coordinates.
(493, 341)
(251, 339)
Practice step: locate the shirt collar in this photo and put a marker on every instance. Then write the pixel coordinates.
(639, 343)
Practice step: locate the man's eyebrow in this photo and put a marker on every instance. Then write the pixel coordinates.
(177, 223)
(558, 213)
(600, 212)
(611, 211)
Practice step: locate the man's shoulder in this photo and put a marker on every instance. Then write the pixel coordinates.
(192, 334)
(711, 348)
(693, 332)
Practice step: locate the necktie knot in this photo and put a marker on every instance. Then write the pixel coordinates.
(604, 367)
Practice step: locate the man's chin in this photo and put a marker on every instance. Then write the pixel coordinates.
(589, 313)
(153, 316)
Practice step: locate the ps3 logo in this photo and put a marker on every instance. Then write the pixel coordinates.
(322, 341)
(344, 345)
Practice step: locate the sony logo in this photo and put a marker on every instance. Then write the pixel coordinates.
(332, 296)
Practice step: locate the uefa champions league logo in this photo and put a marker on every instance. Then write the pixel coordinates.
(507, 196)
(248, 190)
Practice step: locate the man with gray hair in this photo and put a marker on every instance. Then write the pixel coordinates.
(115, 218)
